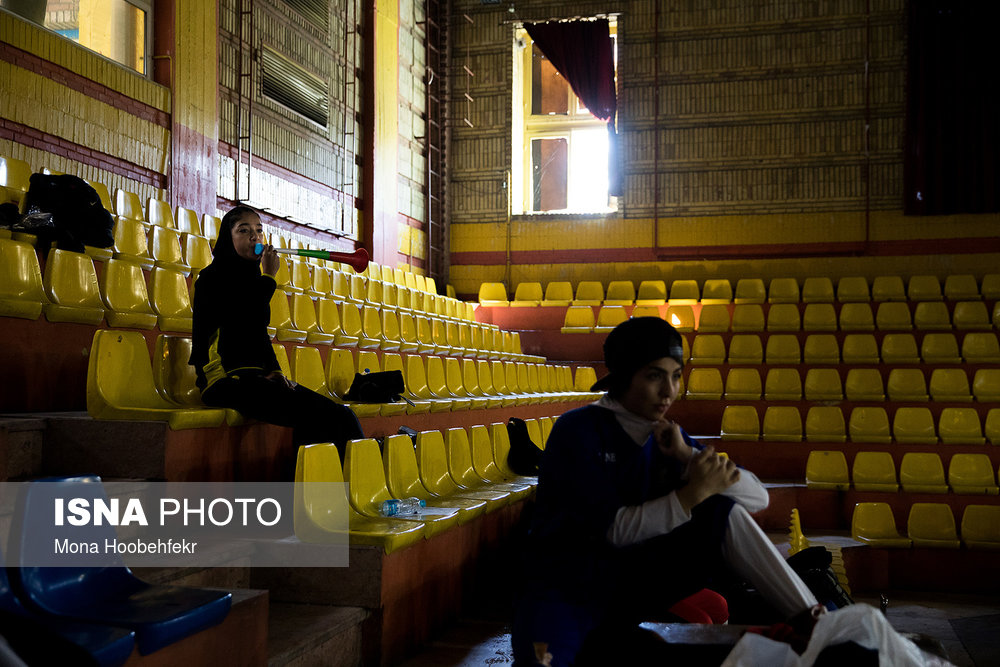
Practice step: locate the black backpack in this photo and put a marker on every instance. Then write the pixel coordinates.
(78, 217)
(524, 456)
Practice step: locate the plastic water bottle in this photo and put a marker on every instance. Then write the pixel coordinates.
(393, 507)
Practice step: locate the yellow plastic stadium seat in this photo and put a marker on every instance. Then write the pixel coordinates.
(389, 336)
(283, 364)
(922, 472)
(418, 388)
(620, 293)
(821, 349)
(900, 348)
(470, 381)
(211, 225)
(986, 385)
(717, 290)
(960, 426)
(301, 278)
(856, 317)
(304, 318)
(583, 378)
(932, 525)
(914, 425)
(558, 293)
(120, 385)
(924, 288)
(534, 432)
(402, 477)
(328, 322)
(906, 385)
(527, 294)
(971, 315)
(339, 374)
(608, 317)
(817, 290)
(940, 348)
(350, 326)
(981, 526)
(14, 174)
(874, 471)
(827, 470)
(888, 288)
(864, 384)
(742, 384)
(748, 317)
(394, 362)
(869, 424)
(981, 348)
(704, 384)
(578, 319)
(651, 293)
(158, 213)
(128, 205)
(853, 289)
(466, 460)
(783, 384)
(893, 316)
(645, 311)
(714, 318)
(432, 462)
(825, 424)
(283, 277)
(823, 384)
(366, 483)
(130, 242)
(589, 293)
(860, 349)
(782, 349)
(931, 316)
(819, 317)
(684, 292)
(484, 450)
(306, 368)
(680, 317)
(874, 525)
(281, 320)
(783, 423)
(186, 221)
(784, 317)
(493, 294)
(322, 510)
(972, 474)
(950, 384)
(453, 389)
(124, 292)
(708, 349)
(746, 349)
(168, 294)
(197, 251)
(173, 377)
(484, 373)
(750, 290)
(783, 290)
(21, 291)
(500, 441)
(961, 287)
(70, 282)
(740, 422)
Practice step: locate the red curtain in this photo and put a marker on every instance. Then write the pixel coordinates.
(583, 53)
(952, 149)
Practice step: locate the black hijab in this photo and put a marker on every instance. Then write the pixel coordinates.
(226, 263)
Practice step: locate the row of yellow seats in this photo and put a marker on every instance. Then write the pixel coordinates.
(861, 384)
(460, 474)
(717, 318)
(959, 287)
(978, 347)
(928, 525)
(867, 424)
(345, 324)
(124, 383)
(919, 472)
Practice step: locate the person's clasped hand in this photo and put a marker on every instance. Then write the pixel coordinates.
(708, 474)
(269, 260)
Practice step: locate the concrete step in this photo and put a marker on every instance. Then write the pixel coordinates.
(21, 441)
(301, 635)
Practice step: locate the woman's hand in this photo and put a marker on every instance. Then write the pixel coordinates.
(269, 260)
(671, 442)
(276, 376)
(708, 474)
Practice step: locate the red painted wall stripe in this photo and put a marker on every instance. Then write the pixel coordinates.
(81, 84)
(759, 251)
(43, 141)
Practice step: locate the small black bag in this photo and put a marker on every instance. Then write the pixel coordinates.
(78, 215)
(524, 456)
(383, 387)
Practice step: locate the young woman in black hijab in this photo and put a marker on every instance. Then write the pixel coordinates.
(231, 349)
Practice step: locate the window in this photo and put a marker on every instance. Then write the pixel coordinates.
(559, 150)
(116, 29)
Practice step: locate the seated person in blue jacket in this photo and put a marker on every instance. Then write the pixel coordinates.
(231, 349)
(633, 515)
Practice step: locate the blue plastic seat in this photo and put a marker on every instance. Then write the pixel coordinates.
(160, 615)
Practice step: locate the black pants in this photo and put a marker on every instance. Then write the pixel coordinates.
(314, 418)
